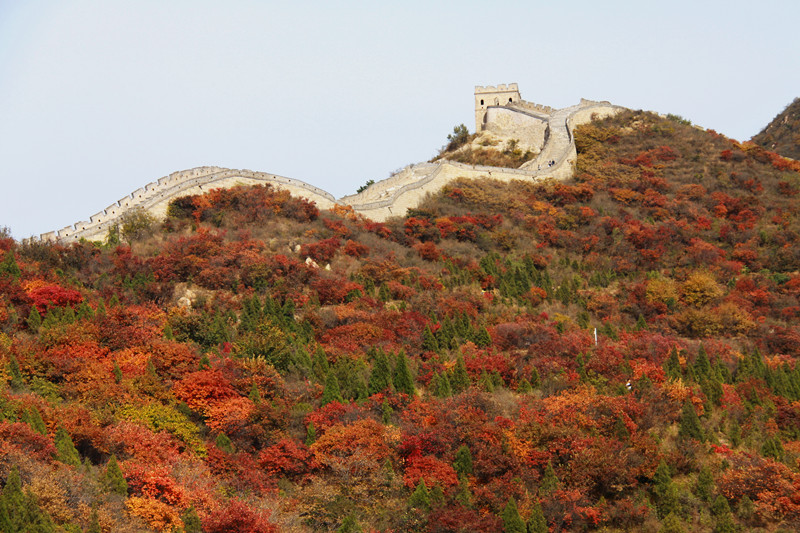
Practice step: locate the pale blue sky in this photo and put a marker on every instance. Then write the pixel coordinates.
(98, 98)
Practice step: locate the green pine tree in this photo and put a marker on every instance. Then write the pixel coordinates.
(34, 419)
(671, 524)
(331, 393)
(705, 484)
(702, 366)
(485, 382)
(690, 423)
(537, 522)
(319, 364)
(386, 413)
(463, 495)
(9, 267)
(20, 512)
(773, 448)
(672, 366)
(34, 320)
(380, 378)
(723, 519)
(535, 380)
(524, 386)
(549, 481)
(441, 386)
(420, 498)
(463, 462)
(641, 323)
(254, 395)
(223, 442)
(482, 338)
(311, 434)
(117, 371)
(350, 525)
(437, 496)
(65, 448)
(512, 521)
(112, 479)
(14, 371)
(94, 522)
(191, 521)
(403, 382)
(429, 342)
(459, 381)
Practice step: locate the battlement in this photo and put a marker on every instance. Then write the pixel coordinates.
(496, 88)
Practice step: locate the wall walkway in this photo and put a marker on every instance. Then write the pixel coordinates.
(386, 198)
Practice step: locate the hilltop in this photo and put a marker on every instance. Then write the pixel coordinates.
(616, 351)
(782, 135)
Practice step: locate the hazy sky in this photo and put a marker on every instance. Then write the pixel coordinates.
(98, 98)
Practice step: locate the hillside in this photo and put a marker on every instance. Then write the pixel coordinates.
(617, 352)
(782, 135)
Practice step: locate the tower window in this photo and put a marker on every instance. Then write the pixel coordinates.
(510, 100)
(481, 102)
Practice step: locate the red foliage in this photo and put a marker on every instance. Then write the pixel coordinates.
(235, 515)
(287, 458)
(321, 251)
(203, 389)
(431, 469)
(47, 295)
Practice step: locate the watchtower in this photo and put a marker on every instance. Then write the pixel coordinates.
(490, 95)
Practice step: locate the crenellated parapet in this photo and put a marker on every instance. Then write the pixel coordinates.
(383, 199)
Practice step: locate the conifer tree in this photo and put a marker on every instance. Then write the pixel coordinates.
(537, 522)
(702, 366)
(641, 323)
(441, 386)
(204, 363)
(420, 498)
(773, 448)
(690, 423)
(94, 522)
(331, 393)
(117, 371)
(34, 320)
(671, 524)
(549, 481)
(14, 372)
(429, 342)
(386, 413)
(485, 382)
(384, 294)
(311, 434)
(512, 521)
(112, 479)
(524, 386)
(746, 509)
(403, 382)
(191, 521)
(723, 520)
(254, 395)
(65, 448)
(350, 525)
(463, 462)
(672, 366)
(705, 484)
(33, 418)
(437, 496)
(19, 512)
(319, 364)
(482, 338)
(223, 442)
(535, 379)
(380, 379)
(463, 495)
(9, 267)
(459, 381)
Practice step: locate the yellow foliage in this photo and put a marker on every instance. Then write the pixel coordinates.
(165, 418)
(661, 290)
(700, 289)
(157, 514)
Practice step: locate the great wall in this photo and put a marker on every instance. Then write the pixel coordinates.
(499, 111)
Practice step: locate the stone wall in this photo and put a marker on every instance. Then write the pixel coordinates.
(393, 196)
